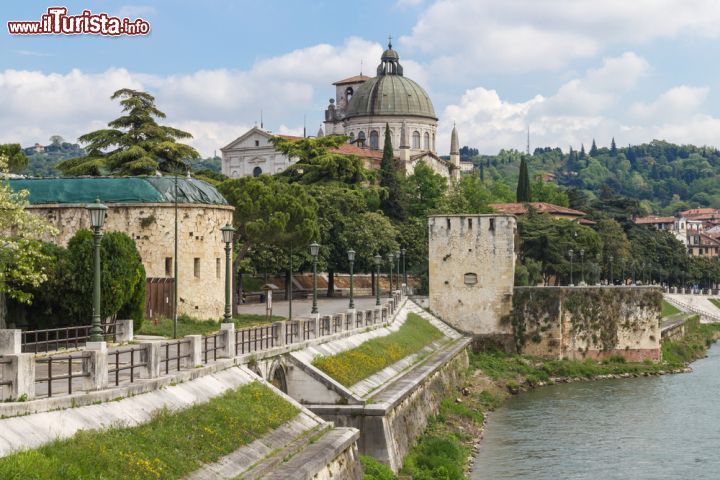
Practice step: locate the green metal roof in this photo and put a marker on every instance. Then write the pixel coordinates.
(117, 190)
(390, 95)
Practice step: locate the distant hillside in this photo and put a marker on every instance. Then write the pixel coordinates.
(43, 158)
(662, 176)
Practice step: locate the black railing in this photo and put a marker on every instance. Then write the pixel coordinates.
(325, 325)
(308, 330)
(43, 341)
(57, 361)
(359, 319)
(348, 321)
(369, 317)
(210, 346)
(291, 332)
(128, 362)
(173, 354)
(337, 323)
(254, 339)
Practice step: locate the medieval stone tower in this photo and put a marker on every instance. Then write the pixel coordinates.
(472, 270)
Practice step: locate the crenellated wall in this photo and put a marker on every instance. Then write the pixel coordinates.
(587, 322)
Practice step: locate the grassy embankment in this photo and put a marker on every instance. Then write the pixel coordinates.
(715, 302)
(351, 366)
(170, 446)
(668, 309)
(443, 450)
(190, 326)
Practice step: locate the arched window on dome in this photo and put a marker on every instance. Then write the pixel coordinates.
(361, 138)
(416, 140)
(257, 171)
(433, 144)
(426, 142)
(374, 140)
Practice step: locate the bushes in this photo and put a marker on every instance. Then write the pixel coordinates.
(436, 457)
(66, 297)
(374, 470)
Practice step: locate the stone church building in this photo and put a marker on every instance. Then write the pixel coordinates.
(361, 109)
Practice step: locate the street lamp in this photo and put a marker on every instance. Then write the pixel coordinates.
(397, 283)
(404, 251)
(378, 261)
(314, 250)
(392, 264)
(582, 266)
(570, 254)
(610, 280)
(227, 236)
(351, 259)
(97, 219)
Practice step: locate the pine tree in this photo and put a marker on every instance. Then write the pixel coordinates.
(593, 149)
(582, 151)
(392, 204)
(482, 172)
(613, 148)
(523, 188)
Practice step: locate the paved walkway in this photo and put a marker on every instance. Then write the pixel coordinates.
(326, 306)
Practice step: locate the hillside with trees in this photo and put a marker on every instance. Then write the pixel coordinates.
(663, 177)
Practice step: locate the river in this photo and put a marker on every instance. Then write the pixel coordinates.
(655, 428)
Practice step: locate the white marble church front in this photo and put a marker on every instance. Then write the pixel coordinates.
(361, 110)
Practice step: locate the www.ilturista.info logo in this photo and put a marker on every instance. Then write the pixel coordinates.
(57, 22)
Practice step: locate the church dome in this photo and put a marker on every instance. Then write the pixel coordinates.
(390, 93)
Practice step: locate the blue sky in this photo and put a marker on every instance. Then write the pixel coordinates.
(571, 69)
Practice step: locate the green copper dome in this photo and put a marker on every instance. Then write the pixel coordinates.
(390, 93)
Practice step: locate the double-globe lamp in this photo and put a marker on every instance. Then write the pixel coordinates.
(97, 220)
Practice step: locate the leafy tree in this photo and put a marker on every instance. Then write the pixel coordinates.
(469, 195)
(318, 163)
(56, 140)
(524, 193)
(15, 158)
(134, 144)
(615, 245)
(22, 259)
(549, 192)
(425, 189)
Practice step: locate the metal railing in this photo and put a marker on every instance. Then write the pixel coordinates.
(58, 361)
(292, 332)
(308, 330)
(325, 325)
(359, 318)
(131, 364)
(337, 323)
(254, 339)
(173, 354)
(41, 341)
(207, 349)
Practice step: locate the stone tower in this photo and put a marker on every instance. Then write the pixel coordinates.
(472, 272)
(455, 154)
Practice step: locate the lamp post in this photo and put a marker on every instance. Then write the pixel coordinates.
(582, 266)
(398, 282)
(570, 254)
(390, 276)
(610, 279)
(227, 236)
(351, 259)
(404, 251)
(97, 219)
(314, 250)
(378, 261)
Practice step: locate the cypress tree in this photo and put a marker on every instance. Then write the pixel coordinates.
(523, 188)
(392, 203)
(613, 148)
(593, 149)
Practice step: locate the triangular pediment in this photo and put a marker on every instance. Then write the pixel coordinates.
(255, 131)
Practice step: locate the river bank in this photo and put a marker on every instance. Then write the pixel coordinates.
(450, 443)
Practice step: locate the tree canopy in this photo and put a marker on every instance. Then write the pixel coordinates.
(135, 144)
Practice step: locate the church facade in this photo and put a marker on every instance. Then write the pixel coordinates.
(362, 109)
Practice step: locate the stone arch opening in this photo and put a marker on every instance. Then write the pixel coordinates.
(278, 377)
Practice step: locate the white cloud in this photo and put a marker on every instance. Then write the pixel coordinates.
(214, 105)
(591, 106)
(476, 36)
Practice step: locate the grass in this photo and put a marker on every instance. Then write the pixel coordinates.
(190, 326)
(698, 337)
(668, 309)
(171, 445)
(351, 366)
(715, 302)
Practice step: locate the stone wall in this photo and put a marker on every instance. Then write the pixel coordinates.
(587, 322)
(152, 226)
(472, 270)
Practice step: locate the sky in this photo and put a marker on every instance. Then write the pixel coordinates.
(569, 70)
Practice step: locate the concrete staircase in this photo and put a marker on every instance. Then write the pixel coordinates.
(699, 304)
